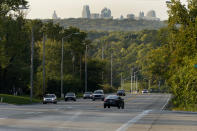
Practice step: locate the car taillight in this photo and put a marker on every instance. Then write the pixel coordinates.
(105, 100)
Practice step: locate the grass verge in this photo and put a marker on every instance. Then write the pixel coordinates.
(172, 107)
(17, 100)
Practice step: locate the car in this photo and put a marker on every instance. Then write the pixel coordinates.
(115, 101)
(87, 95)
(98, 94)
(50, 98)
(121, 93)
(144, 91)
(70, 96)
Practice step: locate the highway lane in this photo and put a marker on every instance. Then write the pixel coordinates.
(142, 112)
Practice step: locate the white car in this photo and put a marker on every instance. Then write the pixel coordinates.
(50, 98)
(144, 91)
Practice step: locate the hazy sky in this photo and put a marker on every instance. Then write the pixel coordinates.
(73, 8)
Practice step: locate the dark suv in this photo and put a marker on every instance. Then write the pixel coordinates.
(98, 94)
(113, 100)
(121, 93)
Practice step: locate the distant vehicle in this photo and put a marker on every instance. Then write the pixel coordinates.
(70, 96)
(98, 94)
(87, 95)
(115, 101)
(144, 91)
(50, 98)
(121, 92)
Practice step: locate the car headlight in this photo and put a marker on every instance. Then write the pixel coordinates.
(44, 99)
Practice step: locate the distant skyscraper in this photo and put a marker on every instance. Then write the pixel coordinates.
(151, 13)
(106, 13)
(86, 12)
(131, 16)
(141, 14)
(121, 17)
(54, 16)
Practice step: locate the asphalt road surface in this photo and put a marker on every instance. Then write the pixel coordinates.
(141, 113)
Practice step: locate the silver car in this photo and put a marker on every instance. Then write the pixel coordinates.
(50, 98)
(144, 91)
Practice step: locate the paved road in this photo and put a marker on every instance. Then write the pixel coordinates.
(141, 113)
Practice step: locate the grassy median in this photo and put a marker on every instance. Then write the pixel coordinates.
(18, 100)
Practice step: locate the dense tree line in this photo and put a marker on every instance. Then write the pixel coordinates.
(15, 54)
(166, 57)
(110, 24)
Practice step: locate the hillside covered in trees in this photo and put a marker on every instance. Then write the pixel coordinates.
(110, 24)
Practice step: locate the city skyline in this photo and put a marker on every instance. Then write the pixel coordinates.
(72, 8)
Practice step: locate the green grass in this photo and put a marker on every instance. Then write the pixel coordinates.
(18, 100)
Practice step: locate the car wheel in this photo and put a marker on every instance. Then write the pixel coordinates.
(104, 106)
(122, 106)
(108, 106)
(93, 99)
(65, 99)
(119, 106)
(102, 99)
(55, 103)
(74, 99)
(44, 102)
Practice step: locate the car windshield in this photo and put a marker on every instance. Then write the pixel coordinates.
(49, 96)
(98, 92)
(88, 93)
(70, 94)
(112, 97)
(121, 91)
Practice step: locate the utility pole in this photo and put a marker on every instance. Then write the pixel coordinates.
(62, 95)
(43, 63)
(102, 58)
(111, 71)
(32, 64)
(136, 85)
(121, 81)
(102, 51)
(86, 68)
(131, 81)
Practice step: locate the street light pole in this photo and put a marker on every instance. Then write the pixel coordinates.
(102, 58)
(43, 64)
(131, 81)
(32, 65)
(86, 68)
(121, 81)
(111, 71)
(62, 61)
(136, 84)
(62, 95)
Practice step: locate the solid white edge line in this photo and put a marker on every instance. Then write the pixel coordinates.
(125, 126)
(166, 103)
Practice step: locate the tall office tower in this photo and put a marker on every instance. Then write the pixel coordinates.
(121, 17)
(54, 16)
(86, 12)
(141, 14)
(131, 16)
(106, 13)
(151, 13)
